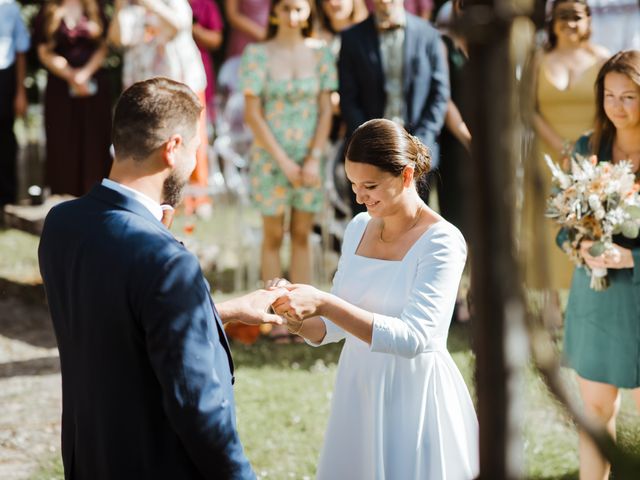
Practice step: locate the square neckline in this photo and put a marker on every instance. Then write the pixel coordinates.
(418, 240)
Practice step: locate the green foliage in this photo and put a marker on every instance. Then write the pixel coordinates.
(596, 249)
(630, 229)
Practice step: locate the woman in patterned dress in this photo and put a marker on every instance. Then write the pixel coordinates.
(287, 82)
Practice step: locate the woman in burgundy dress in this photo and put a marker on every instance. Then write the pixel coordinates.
(69, 35)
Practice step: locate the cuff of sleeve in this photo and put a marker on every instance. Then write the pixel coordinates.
(333, 334)
(635, 253)
(382, 336)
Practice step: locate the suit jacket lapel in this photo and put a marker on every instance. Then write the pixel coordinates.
(221, 332)
(223, 339)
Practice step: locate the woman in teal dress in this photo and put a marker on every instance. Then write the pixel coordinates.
(287, 82)
(602, 330)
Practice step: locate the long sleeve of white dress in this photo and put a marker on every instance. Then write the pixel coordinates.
(425, 318)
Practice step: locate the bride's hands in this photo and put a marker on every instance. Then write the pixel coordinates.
(301, 302)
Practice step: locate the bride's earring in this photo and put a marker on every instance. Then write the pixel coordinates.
(274, 21)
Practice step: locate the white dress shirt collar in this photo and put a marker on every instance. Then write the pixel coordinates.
(150, 204)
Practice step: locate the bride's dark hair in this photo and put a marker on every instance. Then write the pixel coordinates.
(388, 146)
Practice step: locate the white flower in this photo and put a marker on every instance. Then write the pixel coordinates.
(594, 202)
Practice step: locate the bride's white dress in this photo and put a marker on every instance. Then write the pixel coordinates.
(400, 408)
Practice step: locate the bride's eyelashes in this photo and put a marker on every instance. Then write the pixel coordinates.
(367, 187)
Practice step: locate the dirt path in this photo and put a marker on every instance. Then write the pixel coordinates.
(30, 397)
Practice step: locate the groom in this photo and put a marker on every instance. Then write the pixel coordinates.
(146, 369)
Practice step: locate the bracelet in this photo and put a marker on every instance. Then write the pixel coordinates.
(567, 148)
(289, 323)
(295, 332)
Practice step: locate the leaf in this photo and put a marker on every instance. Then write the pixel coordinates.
(633, 211)
(596, 249)
(617, 229)
(630, 229)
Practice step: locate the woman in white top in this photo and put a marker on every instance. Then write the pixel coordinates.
(400, 409)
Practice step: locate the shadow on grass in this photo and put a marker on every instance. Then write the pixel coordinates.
(265, 353)
(26, 322)
(34, 366)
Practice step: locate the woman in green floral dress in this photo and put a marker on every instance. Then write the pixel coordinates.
(287, 82)
(602, 328)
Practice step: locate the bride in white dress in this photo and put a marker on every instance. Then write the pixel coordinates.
(400, 409)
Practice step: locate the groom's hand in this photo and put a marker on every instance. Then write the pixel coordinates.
(300, 302)
(253, 308)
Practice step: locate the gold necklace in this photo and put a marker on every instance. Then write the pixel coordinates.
(415, 222)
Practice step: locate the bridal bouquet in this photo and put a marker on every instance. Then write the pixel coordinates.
(594, 201)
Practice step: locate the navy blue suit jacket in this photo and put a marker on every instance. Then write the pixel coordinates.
(425, 78)
(146, 368)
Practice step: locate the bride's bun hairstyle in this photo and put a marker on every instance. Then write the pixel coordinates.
(388, 146)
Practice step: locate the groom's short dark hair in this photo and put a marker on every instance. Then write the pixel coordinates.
(148, 112)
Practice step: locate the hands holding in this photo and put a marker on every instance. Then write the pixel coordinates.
(305, 175)
(252, 308)
(616, 258)
(311, 172)
(297, 303)
(78, 80)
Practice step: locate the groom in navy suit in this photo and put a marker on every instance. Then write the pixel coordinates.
(146, 369)
(393, 65)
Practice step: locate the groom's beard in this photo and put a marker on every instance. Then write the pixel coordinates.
(173, 188)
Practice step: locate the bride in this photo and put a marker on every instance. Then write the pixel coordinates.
(400, 408)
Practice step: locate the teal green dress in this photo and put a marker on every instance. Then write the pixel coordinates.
(602, 329)
(291, 110)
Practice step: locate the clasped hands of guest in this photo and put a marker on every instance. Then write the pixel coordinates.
(305, 175)
(617, 257)
(78, 80)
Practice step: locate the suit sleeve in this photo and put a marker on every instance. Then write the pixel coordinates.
(350, 108)
(182, 344)
(435, 110)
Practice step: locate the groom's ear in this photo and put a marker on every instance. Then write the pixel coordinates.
(169, 149)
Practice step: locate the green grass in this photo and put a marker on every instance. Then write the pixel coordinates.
(283, 395)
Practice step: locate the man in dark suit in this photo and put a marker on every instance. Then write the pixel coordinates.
(393, 65)
(146, 368)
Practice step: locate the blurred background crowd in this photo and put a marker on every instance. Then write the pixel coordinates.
(284, 84)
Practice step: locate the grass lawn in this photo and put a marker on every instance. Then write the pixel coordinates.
(283, 394)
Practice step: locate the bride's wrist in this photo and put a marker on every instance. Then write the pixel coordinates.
(323, 303)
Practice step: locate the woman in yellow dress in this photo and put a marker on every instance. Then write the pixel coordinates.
(564, 75)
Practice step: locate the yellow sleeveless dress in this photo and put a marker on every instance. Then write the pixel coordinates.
(571, 113)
